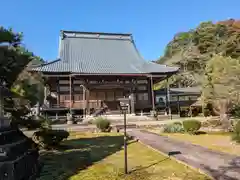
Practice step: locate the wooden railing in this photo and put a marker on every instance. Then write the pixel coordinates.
(78, 104)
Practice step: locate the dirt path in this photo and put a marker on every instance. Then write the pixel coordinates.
(218, 165)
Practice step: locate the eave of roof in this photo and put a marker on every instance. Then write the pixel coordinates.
(67, 33)
(180, 91)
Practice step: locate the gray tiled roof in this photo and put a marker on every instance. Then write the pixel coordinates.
(181, 91)
(100, 53)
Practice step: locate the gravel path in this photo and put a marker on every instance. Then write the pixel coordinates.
(218, 165)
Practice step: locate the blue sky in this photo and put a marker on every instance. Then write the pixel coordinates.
(153, 23)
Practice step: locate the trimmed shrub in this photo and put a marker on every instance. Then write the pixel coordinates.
(103, 124)
(48, 138)
(191, 126)
(173, 128)
(32, 123)
(236, 132)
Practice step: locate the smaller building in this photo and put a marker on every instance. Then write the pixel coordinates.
(178, 99)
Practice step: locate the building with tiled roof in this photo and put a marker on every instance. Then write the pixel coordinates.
(96, 69)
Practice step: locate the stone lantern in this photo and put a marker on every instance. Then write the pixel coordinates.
(18, 155)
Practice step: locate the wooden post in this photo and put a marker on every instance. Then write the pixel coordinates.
(178, 104)
(169, 101)
(58, 92)
(84, 101)
(45, 96)
(136, 91)
(132, 96)
(153, 98)
(132, 103)
(1, 103)
(70, 92)
(87, 101)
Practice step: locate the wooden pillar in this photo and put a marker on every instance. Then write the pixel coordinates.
(136, 91)
(169, 101)
(45, 94)
(132, 100)
(84, 101)
(70, 92)
(152, 93)
(45, 102)
(58, 92)
(166, 96)
(1, 103)
(178, 104)
(87, 101)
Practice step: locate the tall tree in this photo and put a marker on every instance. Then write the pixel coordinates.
(191, 50)
(14, 59)
(222, 84)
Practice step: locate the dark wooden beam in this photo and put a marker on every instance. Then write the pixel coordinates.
(58, 91)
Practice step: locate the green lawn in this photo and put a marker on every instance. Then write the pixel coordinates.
(100, 157)
(217, 141)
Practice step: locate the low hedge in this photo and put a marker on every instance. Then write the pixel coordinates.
(102, 124)
(175, 127)
(48, 138)
(191, 126)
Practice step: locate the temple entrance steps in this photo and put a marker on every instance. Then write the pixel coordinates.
(99, 112)
(113, 112)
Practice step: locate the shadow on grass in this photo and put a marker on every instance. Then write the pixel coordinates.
(140, 168)
(200, 132)
(78, 154)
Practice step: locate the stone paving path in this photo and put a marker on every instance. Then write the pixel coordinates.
(218, 165)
